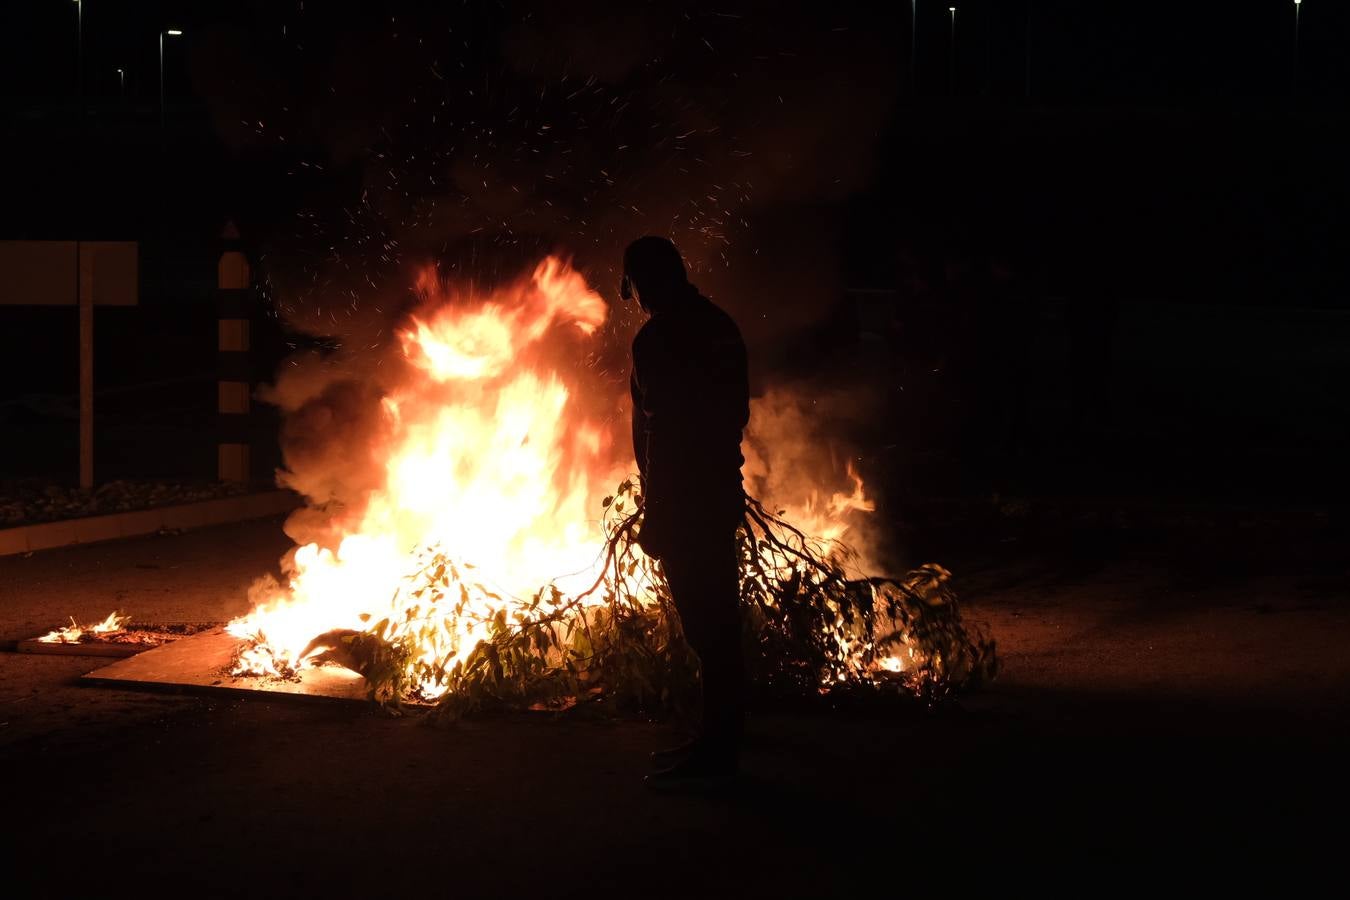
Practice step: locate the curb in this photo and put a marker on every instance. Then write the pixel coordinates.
(68, 532)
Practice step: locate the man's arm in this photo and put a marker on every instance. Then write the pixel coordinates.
(639, 423)
(658, 392)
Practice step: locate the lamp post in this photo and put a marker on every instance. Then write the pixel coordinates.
(170, 32)
(1026, 82)
(122, 84)
(84, 276)
(79, 51)
(951, 55)
(1293, 72)
(913, 45)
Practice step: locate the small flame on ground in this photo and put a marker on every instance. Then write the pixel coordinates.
(75, 632)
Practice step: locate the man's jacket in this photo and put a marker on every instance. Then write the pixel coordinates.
(691, 401)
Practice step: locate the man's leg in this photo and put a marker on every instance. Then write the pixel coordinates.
(704, 580)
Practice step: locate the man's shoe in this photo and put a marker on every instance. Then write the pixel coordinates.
(664, 759)
(695, 772)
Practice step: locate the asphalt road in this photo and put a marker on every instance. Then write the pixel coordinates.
(1172, 713)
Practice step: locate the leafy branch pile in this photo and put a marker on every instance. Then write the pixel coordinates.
(809, 628)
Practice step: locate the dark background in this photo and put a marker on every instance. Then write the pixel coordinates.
(1101, 251)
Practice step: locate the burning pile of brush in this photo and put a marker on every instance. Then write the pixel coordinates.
(481, 562)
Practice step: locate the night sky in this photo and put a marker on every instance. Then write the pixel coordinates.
(1103, 153)
(275, 109)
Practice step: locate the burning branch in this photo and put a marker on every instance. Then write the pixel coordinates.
(809, 627)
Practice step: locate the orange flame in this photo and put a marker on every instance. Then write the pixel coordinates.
(830, 521)
(75, 632)
(483, 454)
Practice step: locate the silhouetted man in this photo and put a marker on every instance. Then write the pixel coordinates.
(691, 401)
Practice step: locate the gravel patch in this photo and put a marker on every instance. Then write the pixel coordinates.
(30, 502)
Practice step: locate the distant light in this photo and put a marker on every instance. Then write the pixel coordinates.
(953, 8)
(173, 32)
(119, 71)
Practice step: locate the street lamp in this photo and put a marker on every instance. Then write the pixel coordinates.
(951, 55)
(122, 84)
(913, 44)
(1293, 72)
(84, 287)
(79, 54)
(1026, 82)
(171, 32)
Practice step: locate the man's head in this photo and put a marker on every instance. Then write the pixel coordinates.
(653, 273)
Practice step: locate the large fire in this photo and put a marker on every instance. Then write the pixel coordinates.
(484, 453)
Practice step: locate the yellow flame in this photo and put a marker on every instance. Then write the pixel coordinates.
(75, 632)
(485, 455)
